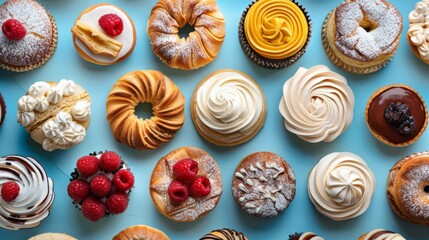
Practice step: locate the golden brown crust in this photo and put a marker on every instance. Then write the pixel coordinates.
(234, 138)
(167, 105)
(381, 138)
(141, 232)
(192, 208)
(200, 47)
(89, 58)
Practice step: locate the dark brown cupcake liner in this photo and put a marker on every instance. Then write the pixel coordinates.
(340, 63)
(44, 60)
(266, 62)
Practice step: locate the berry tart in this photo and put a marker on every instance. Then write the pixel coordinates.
(29, 35)
(104, 34)
(101, 185)
(186, 184)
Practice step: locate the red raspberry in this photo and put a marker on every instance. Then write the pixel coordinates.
(93, 209)
(110, 161)
(9, 191)
(87, 165)
(177, 191)
(200, 187)
(100, 186)
(123, 180)
(185, 169)
(78, 189)
(111, 24)
(13, 29)
(117, 202)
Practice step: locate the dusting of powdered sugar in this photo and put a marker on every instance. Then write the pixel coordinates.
(36, 43)
(412, 194)
(354, 41)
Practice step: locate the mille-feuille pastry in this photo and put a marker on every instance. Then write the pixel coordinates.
(141, 232)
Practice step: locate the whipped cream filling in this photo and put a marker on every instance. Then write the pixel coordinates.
(341, 186)
(418, 31)
(229, 102)
(126, 37)
(317, 104)
(35, 196)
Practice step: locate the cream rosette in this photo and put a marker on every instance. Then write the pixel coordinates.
(341, 186)
(418, 32)
(317, 104)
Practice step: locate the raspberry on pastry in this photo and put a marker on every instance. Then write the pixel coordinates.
(13, 29)
(87, 165)
(110, 161)
(123, 180)
(177, 191)
(111, 24)
(200, 187)
(100, 186)
(185, 169)
(9, 191)
(78, 189)
(117, 202)
(93, 209)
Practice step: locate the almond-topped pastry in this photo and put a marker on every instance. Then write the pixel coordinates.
(186, 184)
(104, 34)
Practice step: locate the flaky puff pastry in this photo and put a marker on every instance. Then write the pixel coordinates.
(141, 232)
(192, 208)
(142, 86)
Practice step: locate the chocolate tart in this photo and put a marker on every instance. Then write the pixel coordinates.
(383, 130)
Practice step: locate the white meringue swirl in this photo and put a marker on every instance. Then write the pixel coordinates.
(38, 89)
(55, 94)
(418, 31)
(68, 87)
(35, 196)
(82, 110)
(317, 104)
(341, 186)
(26, 118)
(26, 104)
(229, 102)
(42, 104)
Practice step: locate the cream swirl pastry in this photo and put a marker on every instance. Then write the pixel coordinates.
(35, 197)
(228, 108)
(317, 104)
(56, 115)
(341, 186)
(305, 236)
(381, 234)
(418, 31)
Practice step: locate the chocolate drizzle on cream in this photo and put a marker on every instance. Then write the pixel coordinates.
(224, 234)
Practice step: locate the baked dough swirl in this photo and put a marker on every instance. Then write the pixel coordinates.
(200, 47)
(276, 29)
(167, 105)
(341, 186)
(317, 104)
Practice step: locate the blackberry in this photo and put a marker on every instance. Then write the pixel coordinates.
(407, 127)
(396, 113)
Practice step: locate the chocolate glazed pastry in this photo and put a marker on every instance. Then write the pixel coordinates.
(403, 106)
(263, 184)
(224, 234)
(2, 109)
(304, 236)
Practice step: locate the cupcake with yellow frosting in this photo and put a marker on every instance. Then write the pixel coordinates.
(274, 33)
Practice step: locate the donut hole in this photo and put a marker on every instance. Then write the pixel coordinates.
(143, 110)
(186, 30)
(426, 189)
(368, 25)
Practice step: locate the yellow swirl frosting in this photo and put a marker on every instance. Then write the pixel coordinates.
(276, 29)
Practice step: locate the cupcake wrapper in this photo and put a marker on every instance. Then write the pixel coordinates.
(44, 60)
(337, 61)
(266, 62)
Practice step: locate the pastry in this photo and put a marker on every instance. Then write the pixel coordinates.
(274, 33)
(56, 115)
(317, 104)
(361, 36)
(100, 185)
(141, 232)
(104, 34)
(186, 184)
(407, 188)
(29, 35)
(228, 108)
(396, 115)
(27, 193)
(2, 109)
(200, 47)
(263, 184)
(417, 33)
(381, 234)
(52, 236)
(224, 234)
(168, 106)
(305, 236)
(341, 186)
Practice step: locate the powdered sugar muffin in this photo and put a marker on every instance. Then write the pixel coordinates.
(29, 35)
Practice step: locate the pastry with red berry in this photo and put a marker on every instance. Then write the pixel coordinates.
(186, 184)
(26, 193)
(104, 34)
(101, 185)
(28, 36)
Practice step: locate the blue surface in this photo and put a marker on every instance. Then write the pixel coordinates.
(300, 216)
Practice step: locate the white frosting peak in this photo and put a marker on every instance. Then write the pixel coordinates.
(418, 31)
(25, 118)
(55, 94)
(39, 89)
(81, 111)
(341, 186)
(68, 87)
(42, 104)
(26, 104)
(317, 104)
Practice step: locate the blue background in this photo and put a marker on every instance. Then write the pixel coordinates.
(300, 216)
